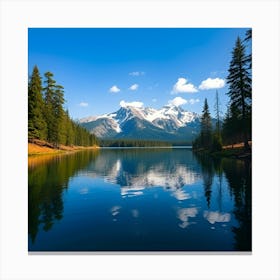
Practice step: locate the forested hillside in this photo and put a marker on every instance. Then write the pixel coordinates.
(47, 118)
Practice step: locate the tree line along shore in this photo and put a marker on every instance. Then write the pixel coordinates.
(50, 128)
(236, 127)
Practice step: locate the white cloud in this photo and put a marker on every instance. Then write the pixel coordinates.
(212, 84)
(177, 101)
(83, 104)
(137, 104)
(114, 89)
(192, 101)
(137, 73)
(154, 100)
(183, 86)
(134, 87)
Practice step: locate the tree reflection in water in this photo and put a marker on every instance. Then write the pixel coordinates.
(48, 177)
(239, 178)
(208, 172)
(238, 174)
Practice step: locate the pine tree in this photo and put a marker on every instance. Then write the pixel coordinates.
(59, 125)
(49, 110)
(37, 128)
(248, 39)
(54, 100)
(69, 130)
(217, 111)
(47, 118)
(206, 127)
(240, 91)
(217, 139)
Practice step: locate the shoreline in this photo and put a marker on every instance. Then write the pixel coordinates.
(39, 147)
(235, 151)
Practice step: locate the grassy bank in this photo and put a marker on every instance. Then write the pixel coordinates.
(39, 147)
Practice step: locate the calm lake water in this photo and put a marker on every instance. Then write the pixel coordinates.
(156, 199)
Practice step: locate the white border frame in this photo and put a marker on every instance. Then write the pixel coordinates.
(17, 16)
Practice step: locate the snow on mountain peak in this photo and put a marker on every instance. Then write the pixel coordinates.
(168, 119)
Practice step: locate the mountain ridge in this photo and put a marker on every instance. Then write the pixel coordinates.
(130, 122)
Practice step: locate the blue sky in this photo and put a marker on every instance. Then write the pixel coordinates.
(101, 68)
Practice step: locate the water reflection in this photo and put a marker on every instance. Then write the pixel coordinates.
(181, 194)
(208, 172)
(216, 217)
(115, 210)
(184, 215)
(134, 170)
(239, 177)
(48, 177)
(148, 192)
(135, 213)
(132, 191)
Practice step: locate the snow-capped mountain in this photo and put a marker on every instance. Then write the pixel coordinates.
(168, 123)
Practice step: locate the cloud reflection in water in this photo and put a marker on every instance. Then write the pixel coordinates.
(184, 214)
(115, 210)
(180, 194)
(131, 191)
(216, 217)
(135, 213)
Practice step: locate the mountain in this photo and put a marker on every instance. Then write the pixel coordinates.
(170, 123)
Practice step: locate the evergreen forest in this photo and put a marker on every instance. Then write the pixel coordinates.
(236, 126)
(133, 143)
(47, 118)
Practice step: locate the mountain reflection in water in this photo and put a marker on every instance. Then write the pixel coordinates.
(141, 170)
(139, 200)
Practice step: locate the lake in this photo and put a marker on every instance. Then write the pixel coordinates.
(145, 199)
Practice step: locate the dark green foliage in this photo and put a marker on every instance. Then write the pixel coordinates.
(47, 119)
(240, 92)
(69, 135)
(248, 39)
(49, 107)
(133, 143)
(37, 128)
(236, 127)
(54, 112)
(217, 110)
(231, 132)
(59, 113)
(206, 126)
(82, 137)
(204, 140)
(217, 142)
